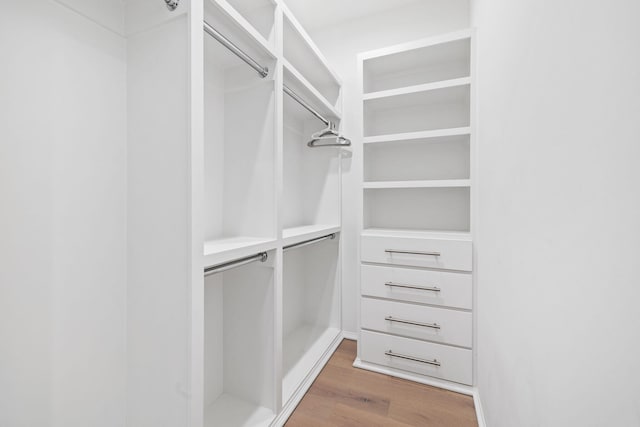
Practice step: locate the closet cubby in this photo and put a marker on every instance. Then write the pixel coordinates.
(442, 209)
(311, 308)
(257, 17)
(311, 199)
(443, 158)
(441, 107)
(239, 345)
(302, 55)
(239, 147)
(427, 64)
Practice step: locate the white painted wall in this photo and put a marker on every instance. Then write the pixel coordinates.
(62, 218)
(559, 212)
(340, 44)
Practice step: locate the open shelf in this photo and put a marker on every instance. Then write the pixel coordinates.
(305, 56)
(239, 346)
(254, 18)
(293, 235)
(441, 108)
(445, 58)
(239, 149)
(418, 208)
(296, 81)
(311, 175)
(311, 309)
(431, 159)
(223, 250)
(445, 183)
(465, 81)
(305, 347)
(421, 135)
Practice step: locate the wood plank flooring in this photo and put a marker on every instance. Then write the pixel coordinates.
(346, 396)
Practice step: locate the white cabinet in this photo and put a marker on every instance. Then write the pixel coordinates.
(416, 247)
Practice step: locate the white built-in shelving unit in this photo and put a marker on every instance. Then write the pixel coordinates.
(416, 247)
(263, 330)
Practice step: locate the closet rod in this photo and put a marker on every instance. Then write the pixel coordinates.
(263, 71)
(307, 107)
(310, 242)
(219, 268)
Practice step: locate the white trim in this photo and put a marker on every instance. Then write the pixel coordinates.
(429, 183)
(446, 385)
(296, 397)
(353, 336)
(477, 403)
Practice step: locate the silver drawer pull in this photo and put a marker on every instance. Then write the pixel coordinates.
(433, 362)
(411, 322)
(404, 285)
(398, 251)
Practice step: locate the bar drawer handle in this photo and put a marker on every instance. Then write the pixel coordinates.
(433, 362)
(404, 285)
(399, 251)
(411, 322)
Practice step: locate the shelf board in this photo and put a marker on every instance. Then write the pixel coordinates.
(302, 349)
(309, 92)
(418, 234)
(228, 249)
(249, 30)
(293, 235)
(411, 136)
(444, 183)
(418, 44)
(464, 81)
(304, 36)
(229, 410)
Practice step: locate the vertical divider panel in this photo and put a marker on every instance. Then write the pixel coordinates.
(196, 145)
(279, 161)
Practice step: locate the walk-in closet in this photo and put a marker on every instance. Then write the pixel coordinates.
(296, 213)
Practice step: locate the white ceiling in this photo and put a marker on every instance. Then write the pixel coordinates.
(315, 14)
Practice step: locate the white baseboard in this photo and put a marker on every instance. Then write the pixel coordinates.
(297, 396)
(477, 403)
(353, 336)
(446, 385)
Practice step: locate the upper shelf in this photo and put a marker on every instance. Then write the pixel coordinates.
(417, 63)
(304, 55)
(226, 19)
(302, 87)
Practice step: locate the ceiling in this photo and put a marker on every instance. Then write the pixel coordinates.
(315, 14)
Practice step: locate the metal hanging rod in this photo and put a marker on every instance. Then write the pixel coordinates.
(263, 71)
(310, 242)
(219, 268)
(307, 107)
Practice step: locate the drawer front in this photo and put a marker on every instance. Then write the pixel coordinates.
(434, 360)
(432, 253)
(416, 321)
(443, 288)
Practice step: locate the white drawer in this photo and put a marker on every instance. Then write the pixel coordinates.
(416, 321)
(448, 254)
(425, 286)
(435, 360)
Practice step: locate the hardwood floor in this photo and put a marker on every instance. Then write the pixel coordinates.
(346, 396)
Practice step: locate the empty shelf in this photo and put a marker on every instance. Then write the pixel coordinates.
(228, 410)
(410, 136)
(293, 235)
(303, 349)
(445, 183)
(227, 249)
(421, 234)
